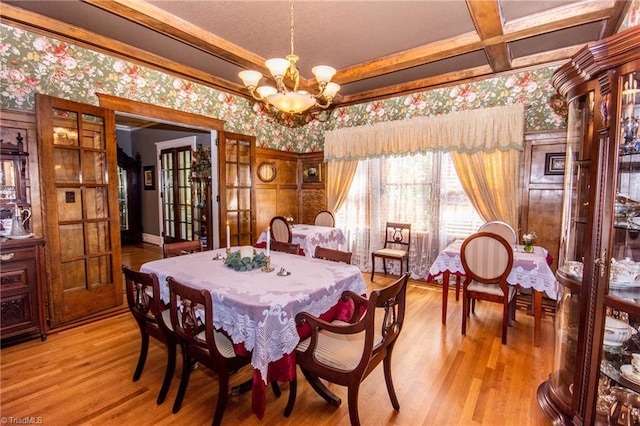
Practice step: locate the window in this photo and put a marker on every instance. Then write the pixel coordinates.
(421, 189)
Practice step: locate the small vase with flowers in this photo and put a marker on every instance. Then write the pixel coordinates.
(528, 240)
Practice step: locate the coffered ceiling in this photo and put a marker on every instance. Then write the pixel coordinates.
(380, 48)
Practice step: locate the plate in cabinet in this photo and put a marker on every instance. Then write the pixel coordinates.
(623, 285)
(630, 374)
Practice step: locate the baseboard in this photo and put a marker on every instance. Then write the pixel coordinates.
(152, 239)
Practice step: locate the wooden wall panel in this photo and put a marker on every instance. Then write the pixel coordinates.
(280, 196)
(314, 201)
(287, 172)
(545, 218)
(266, 202)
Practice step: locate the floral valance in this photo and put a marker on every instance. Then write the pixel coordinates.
(486, 130)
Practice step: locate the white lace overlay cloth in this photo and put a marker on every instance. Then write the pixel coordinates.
(311, 236)
(530, 270)
(257, 308)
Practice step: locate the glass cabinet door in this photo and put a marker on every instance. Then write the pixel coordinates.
(622, 310)
(572, 246)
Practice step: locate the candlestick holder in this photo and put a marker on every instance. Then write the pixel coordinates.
(267, 267)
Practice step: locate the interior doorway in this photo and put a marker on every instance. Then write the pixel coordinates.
(141, 115)
(174, 165)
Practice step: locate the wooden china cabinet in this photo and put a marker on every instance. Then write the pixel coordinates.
(598, 310)
(22, 296)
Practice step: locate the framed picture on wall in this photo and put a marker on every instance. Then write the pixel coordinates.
(554, 163)
(312, 172)
(149, 177)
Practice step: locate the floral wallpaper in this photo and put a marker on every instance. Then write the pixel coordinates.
(34, 63)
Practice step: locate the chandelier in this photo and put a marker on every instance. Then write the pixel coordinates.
(291, 101)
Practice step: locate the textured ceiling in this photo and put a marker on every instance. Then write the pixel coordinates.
(380, 48)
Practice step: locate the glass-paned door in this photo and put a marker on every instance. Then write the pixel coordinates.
(122, 199)
(78, 166)
(237, 198)
(175, 171)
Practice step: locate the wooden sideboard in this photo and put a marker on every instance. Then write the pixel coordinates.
(22, 293)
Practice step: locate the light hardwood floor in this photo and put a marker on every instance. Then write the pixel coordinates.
(83, 375)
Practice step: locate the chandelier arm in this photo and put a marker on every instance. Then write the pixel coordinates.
(321, 105)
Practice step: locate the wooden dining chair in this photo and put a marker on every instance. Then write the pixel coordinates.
(153, 318)
(396, 246)
(285, 247)
(503, 229)
(487, 259)
(181, 247)
(332, 254)
(280, 229)
(200, 342)
(325, 218)
(345, 353)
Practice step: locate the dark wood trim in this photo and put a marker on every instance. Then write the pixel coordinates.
(159, 113)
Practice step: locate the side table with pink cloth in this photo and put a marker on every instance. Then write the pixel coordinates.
(311, 236)
(530, 270)
(257, 309)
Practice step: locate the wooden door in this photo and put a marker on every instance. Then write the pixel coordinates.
(237, 196)
(175, 183)
(78, 170)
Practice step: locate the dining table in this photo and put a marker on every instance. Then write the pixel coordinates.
(311, 236)
(257, 309)
(530, 270)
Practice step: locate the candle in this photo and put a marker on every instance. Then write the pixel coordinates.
(268, 239)
(228, 236)
(246, 251)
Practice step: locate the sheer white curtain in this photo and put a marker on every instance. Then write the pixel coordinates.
(403, 174)
(420, 189)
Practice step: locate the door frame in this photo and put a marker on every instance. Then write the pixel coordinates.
(180, 118)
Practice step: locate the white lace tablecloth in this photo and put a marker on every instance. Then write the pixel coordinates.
(530, 270)
(311, 236)
(258, 308)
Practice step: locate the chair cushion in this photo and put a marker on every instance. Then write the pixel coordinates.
(490, 289)
(391, 252)
(166, 317)
(340, 351)
(224, 344)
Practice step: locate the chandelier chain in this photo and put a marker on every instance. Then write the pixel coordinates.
(291, 12)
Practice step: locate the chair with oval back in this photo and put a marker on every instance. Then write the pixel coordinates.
(280, 230)
(503, 229)
(487, 259)
(325, 218)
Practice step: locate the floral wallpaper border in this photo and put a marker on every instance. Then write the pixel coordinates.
(35, 63)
